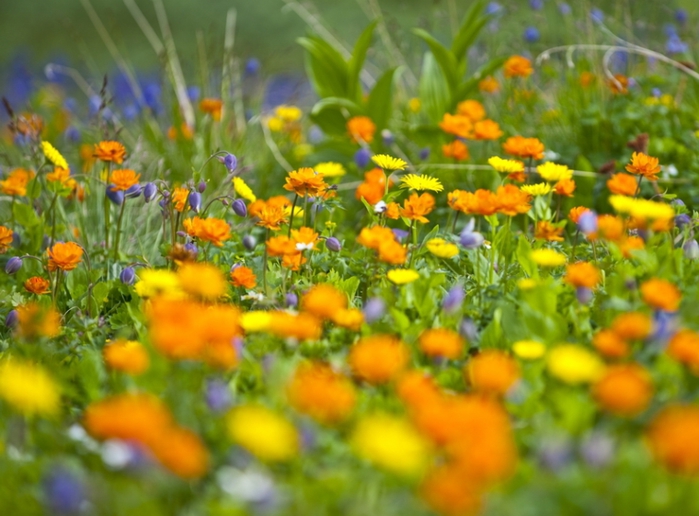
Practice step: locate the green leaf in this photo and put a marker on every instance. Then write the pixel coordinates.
(444, 57)
(467, 87)
(24, 215)
(337, 103)
(380, 102)
(524, 252)
(357, 61)
(326, 68)
(434, 94)
(471, 26)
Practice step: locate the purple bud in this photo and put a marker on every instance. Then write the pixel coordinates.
(681, 16)
(387, 137)
(63, 492)
(424, 153)
(194, 201)
(374, 309)
(555, 454)
(564, 9)
(230, 161)
(596, 15)
(400, 234)
(291, 299)
(127, 276)
(597, 450)
(116, 196)
(249, 242)
(201, 187)
(149, 191)
(362, 157)
(333, 244)
(252, 66)
(454, 299)
(166, 194)
(218, 395)
(665, 325)
(537, 5)
(471, 239)
(682, 220)
(468, 329)
(690, 248)
(239, 208)
(11, 319)
(133, 192)
(14, 264)
(584, 295)
(587, 223)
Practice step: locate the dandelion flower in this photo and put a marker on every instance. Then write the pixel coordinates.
(330, 169)
(441, 248)
(28, 388)
(243, 190)
(537, 189)
(553, 172)
(506, 166)
(402, 276)
(548, 258)
(387, 162)
(53, 155)
(421, 183)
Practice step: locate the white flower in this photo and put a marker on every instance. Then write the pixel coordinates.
(380, 207)
(304, 247)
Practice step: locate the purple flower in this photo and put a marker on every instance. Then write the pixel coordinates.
(127, 275)
(400, 234)
(374, 309)
(194, 201)
(63, 492)
(587, 223)
(149, 192)
(531, 35)
(537, 5)
(333, 244)
(362, 157)
(291, 299)
(193, 92)
(675, 45)
(424, 153)
(218, 395)
(555, 454)
(469, 238)
(230, 161)
(597, 449)
(564, 9)
(133, 191)
(584, 295)
(454, 299)
(249, 242)
(11, 319)
(201, 187)
(681, 16)
(492, 8)
(682, 220)
(691, 249)
(116, 196)
(468, 329)
(665, 325)
(13, 265)
(596, 15)
(239, 208)
(252, 66)
(191, 247)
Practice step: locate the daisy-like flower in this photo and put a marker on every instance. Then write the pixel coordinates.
(123, 179)
(37, 285)
(421, 183)
(65, 256)
(553, 173)
(506, 166)
(387, 162)
(53, 155)
(402, 276)
(243, 190)
(5, 239)
(305, 181)
(537, 189)
(644, 165)
(330, 169)
(110, 151)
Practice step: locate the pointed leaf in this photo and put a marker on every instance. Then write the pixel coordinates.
(468, 32)
(434, 94)
(380, 101)
(356, 62)
(444, 57)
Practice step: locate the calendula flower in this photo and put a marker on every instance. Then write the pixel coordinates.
(325, 395)
(53, 155)
(16, 182)
(441, 342)
(537, 189)
(421, 183)
(518, 66)
(270, 214)
(492, 371)
(529, 349)
(622, 184)
(109, 151)
(457, 150)
(128, 356)
(441, 248)
(202, 280)
(619, 84)
(267, 435)
(553, 172)
(624, 390)
(489, 85)
(548, 258)
(402, 276)
(392, 252)
(511, 201)
(416, 207)
(65, 256)
(330, 169)
(524, 147)
(213, 107)
(361, 129)
(547, 231)
(179, 198)
(671, 437)
(37, 285)
(243, 190)
(209, 229)
(472, 109)
(487, 130)
(458, 125)
(29, 388)
(574, 364)
(5, 239)
(378, 359)
(644, 165)
(661, 294)
(565, 187)
(387, 162)
(242, 276)
(36, 321)
(305, 181)
(61, 176)
(582, 274)
(123, 179)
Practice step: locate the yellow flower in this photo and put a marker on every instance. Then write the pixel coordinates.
(387, 162)
(275, 124)
(402, 276)
(288, 113)
(548, 258)
(528, 349)
(267, 435)
(53, 155)
(574, 364)
(330, 169)
(441, 248)
(420, 183)
(641, 208)
(202, 280)
(158, 282)
(537, 189)
(414, 104)
(526, 283)
(506, 166)
(28, 388)
(553, 173)
(243, 190)
(256, 321)
(391, 443)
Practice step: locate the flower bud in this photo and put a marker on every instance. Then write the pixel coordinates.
(63, 492)
(116, 196)
(362, 157)
(192, 248)
(239, 208)
(194, 201)
(682, 220)
(127, 276)
(454, 299)
(387, 137)
(471, 239)
(374, 309)
(597, 450)
(133, 192)
(468, 329)
(149, 191)
(587, 223)
(230, 162)
(291, 299)
(201, 187)
(584, 295)
(400, 234)
(14, 264)
(690, 248)
(424, 153)
(333, 244)
(249, 242)
(218, 395)
(11, 319)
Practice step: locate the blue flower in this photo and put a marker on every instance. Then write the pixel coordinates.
(537, 5)
(531, 34)
(596, 15)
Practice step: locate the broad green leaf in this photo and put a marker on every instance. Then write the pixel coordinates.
(434, 94)
(444, 57)
(325, 66)
(335, 102)
(471, 26)
(380, 101)
(356, 62)
(467, 87)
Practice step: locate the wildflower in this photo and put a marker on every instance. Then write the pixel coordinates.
(6, 236)
(303, 326)
(243, 190)
(632, 326)
(109, 151)
(456, 150)
(610, 344)
(524, 147)
(158, 283)
(270, 214)
(37, 285)
(575, 213)
(553, 173)
(492, 371)
(281, 246)
(518, 66)
(547, 231)
(582, 274)
(537, 189)
(441, 342)
(671, 437)
(441, 248)
(391, 443)
(213, 107)
(487, 130)
(416, 207)
(28, 388)
(472, 109)
(624, 390)
(64, 256)
(378, 359)
(333, 244)
(508, 166)
(565, 187)
(661, 294)
(402, 276)
(180, 196)
(330, 169)
(123, 179)
(374, 236)
(305, 181)
(323, 301)
(574, 364)
(446, 491)
(644, 165)
(622, 184)
(548, 258)
(325, 395)
(202, 280)
(305, 239)
(414, 104)
(128, 356)
(242, 276)
(489, 85)
(684, 347)
(386, 162)
(458, 125)
(361, 129)
(421, 183)
(391, 251)
(182, 452)
(37, 321)
(288, 113)
(528, 349)
(619, 84)
(267, 435)
(209, 229)
(511, 201)
(53, 155)
(16, 182)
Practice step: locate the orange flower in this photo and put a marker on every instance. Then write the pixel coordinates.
(472, 109)
(128, 356)
(632, 326)
(441, 342)
(458, 200)
(293, 261)
(62, 176)
(622, 184)
(37, 285)
(632, 243)
(361, 129)
(489, 85)
(574, 213)
(661, 294)
(610, 345)
(547, 231)
(123, 179)
(392, 211)
(378, 359)
(325, 395)
(213, 107)
(305, 181)
(672, 438)
(586, 79)
(483, 202)
(582, 274)
(182, 452)
(110, 151)
(416, 207)
(5, 239)
(458, 125)
(271, 215)
(644, 165)
(457, 150)
(281, 246)
(243, 277)
(487, 130)
(619, 85)
(518, 66)
(323, 301)
(35, 321)
(65, 256)
(492, 371)
(524, 147)
(16, 182)
(684, 347)
(391, 251)
(302, 326)
(209, 229)
(373, 237)
(184, 131)
(450, 492)
(609, 227)
(624, 390)
(87, 155)
(565, 187)
(305, 238)
(512, 201)
(417, 389)
(179, 198)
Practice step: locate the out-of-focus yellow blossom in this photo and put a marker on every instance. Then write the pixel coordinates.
(267, 435)
(537, 189)
(256, 321)
(528, 349)
(159, 283)
(387, 162)
(506, 166)
(28, 388)
(288, 113)
(414, 104)
(574, 364)
(548, 258)
(441, 248)
(553, 172)
(402, 276)
(330, 169)
(53, 155)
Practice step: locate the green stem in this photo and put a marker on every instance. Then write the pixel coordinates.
(52, 209)
(264, 263)
(118, 230)
(413, 236)
(291, 217)
(305, 210)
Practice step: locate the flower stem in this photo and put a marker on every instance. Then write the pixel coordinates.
(118, 230)
(264, 263)
(291, 217)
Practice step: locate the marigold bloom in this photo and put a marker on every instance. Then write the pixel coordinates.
(53, 155)
(624, 390)
(61, 176)
(123, 179)
(472, 109)
(548, 258)
(37, 285)
(457, 150)
(180, 196)
(609, 227)
(524, 147)
(373, 187)
(518, 66)
(421, 183)
(574, 364)
(393, 252)
(417, 389)
(386, 162)
(448, 491)
(305, 238)
(294, 261)
(619, 84)
(511, 201)
(672, 438)
(582, 274)
(661, 294)
(378, 359)
(547, 231)
(325, 395)
(267, 435)
(303, 326)
(632, 326)
(213, 107)
(184, 131)
(202, 280)
(630, 244)
(374, 236)
(441, 248)
(416, 207)
(361, 129)
(492, 371)
(684, 347)
(128, 356)
(109, 151)
(565, 187)
(586, 79)
(65, 256)
(458, 125)
(351, 318)
(243, 277)
(644, 165)
(441, 342)
(271, 215)
(16, 182)
(622, 184)
(209, 229)
(487, 130)
(610, 345)
(305, 181)
(323, 301)
(5, 239)
(489, 85)
(182, 452)
(28, 388)
(574, 213)
(280, 246)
